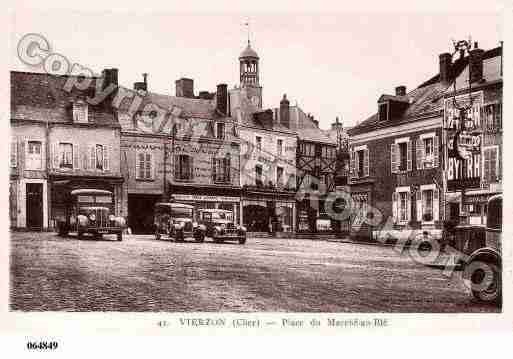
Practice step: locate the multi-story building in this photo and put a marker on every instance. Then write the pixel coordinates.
(397, 155)
(182, 148)
(470, 181)
(268, 150)
(60, 141)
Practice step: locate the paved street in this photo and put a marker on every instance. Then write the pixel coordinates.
(272, 275)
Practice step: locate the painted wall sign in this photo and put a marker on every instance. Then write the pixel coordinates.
(205, 198)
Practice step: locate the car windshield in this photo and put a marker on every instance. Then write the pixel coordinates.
(178, 212)
(222, 215)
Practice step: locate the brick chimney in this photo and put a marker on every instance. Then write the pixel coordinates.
(445, 67)
(184, 87)
(110, 76)
(400, 90)
(143, 86)
(222, 98)
(285, 111)
(476, 64)
(336, 125)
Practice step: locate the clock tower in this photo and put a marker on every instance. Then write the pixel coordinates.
(250, 77)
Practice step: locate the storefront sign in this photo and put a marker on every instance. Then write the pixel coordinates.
(204, 198)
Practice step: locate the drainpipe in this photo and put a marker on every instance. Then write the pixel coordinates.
(47, 168)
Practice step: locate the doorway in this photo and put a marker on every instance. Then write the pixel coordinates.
(34, 205)
(140, 213)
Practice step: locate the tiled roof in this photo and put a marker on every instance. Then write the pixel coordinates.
(41, 97)
(306, 129)
(428, 97)
(189, 107)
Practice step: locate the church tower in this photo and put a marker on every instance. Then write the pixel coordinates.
(249, 75)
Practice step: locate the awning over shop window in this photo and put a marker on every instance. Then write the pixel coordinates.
(453, 197)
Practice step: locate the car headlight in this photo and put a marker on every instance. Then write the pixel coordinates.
(242, 228)
(112, 218)
(218, 228)
(194, 224)
(92, 217)
(202, 227)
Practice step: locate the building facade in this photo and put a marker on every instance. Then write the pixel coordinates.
(60, 141)
(178, 148)
(472, 180)
(268, 152)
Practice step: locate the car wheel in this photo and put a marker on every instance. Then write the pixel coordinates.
(157, 235)
(200, 237)
(120, 236)
(242, 240)
(493, 292)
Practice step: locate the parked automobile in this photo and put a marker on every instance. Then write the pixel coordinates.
(91, 211)
(176, 221)
(220, 226)
(483, 268)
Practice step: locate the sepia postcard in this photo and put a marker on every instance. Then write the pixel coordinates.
(303, 172)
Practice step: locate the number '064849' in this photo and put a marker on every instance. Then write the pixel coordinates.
(42, 345)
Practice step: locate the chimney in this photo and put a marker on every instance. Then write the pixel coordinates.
(184, 87)
(400, 90)
(285, 111)
(336, 125)
(110, 76)
(222, 98)
(476, 64)
(445, 67)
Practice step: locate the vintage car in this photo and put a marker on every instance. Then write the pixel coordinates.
(483, 268)
(91, 211)
(220, 226)
(176, 221)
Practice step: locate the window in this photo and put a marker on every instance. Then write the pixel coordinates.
(280, 147)
(359, 162)
(98, 157)
(258, 140)
(34, 155)
(279, 176)
(427, 151)
(403, 206)
(14, 154)
(491, 164)
(360, 158)
(258, 175)
(428, 148)
(183, 167)
(220, 131)
(403, 156)
(308, 149)
(221, 169)
(383, 112)
(80, 112)
(66, 155)
(144, 166)
(328, 152)
(427, 205)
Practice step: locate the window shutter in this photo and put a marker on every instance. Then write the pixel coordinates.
(419, 156)
(76, 157)
(137, 165)
(436, 205)
(394, 206)
(436, 153)
(153, 166)
(84, 156)
(408, 206)
(92, 157)
(55, 155)
(214, 178)
(14, 154)
(227, 171)
(409, 155)
(176, 166)
(352, 164)
(393, 157)
(493, 164)
(486, 165)
(106, 158)
(499, 160)
(147, 166)
(366, 162)
(191, 167)
(419, 204)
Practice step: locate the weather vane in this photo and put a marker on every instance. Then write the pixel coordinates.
(247, 25)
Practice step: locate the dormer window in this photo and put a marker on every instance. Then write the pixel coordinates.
(80, 112)
(383, 111)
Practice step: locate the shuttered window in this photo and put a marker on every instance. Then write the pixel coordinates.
(144, 166)
(221, 169)
(401, 157)
(183, 168)
(491, 164)
(14, 154)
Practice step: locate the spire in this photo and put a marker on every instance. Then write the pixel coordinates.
(249, 33)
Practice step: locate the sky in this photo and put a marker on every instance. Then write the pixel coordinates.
(330, 64)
